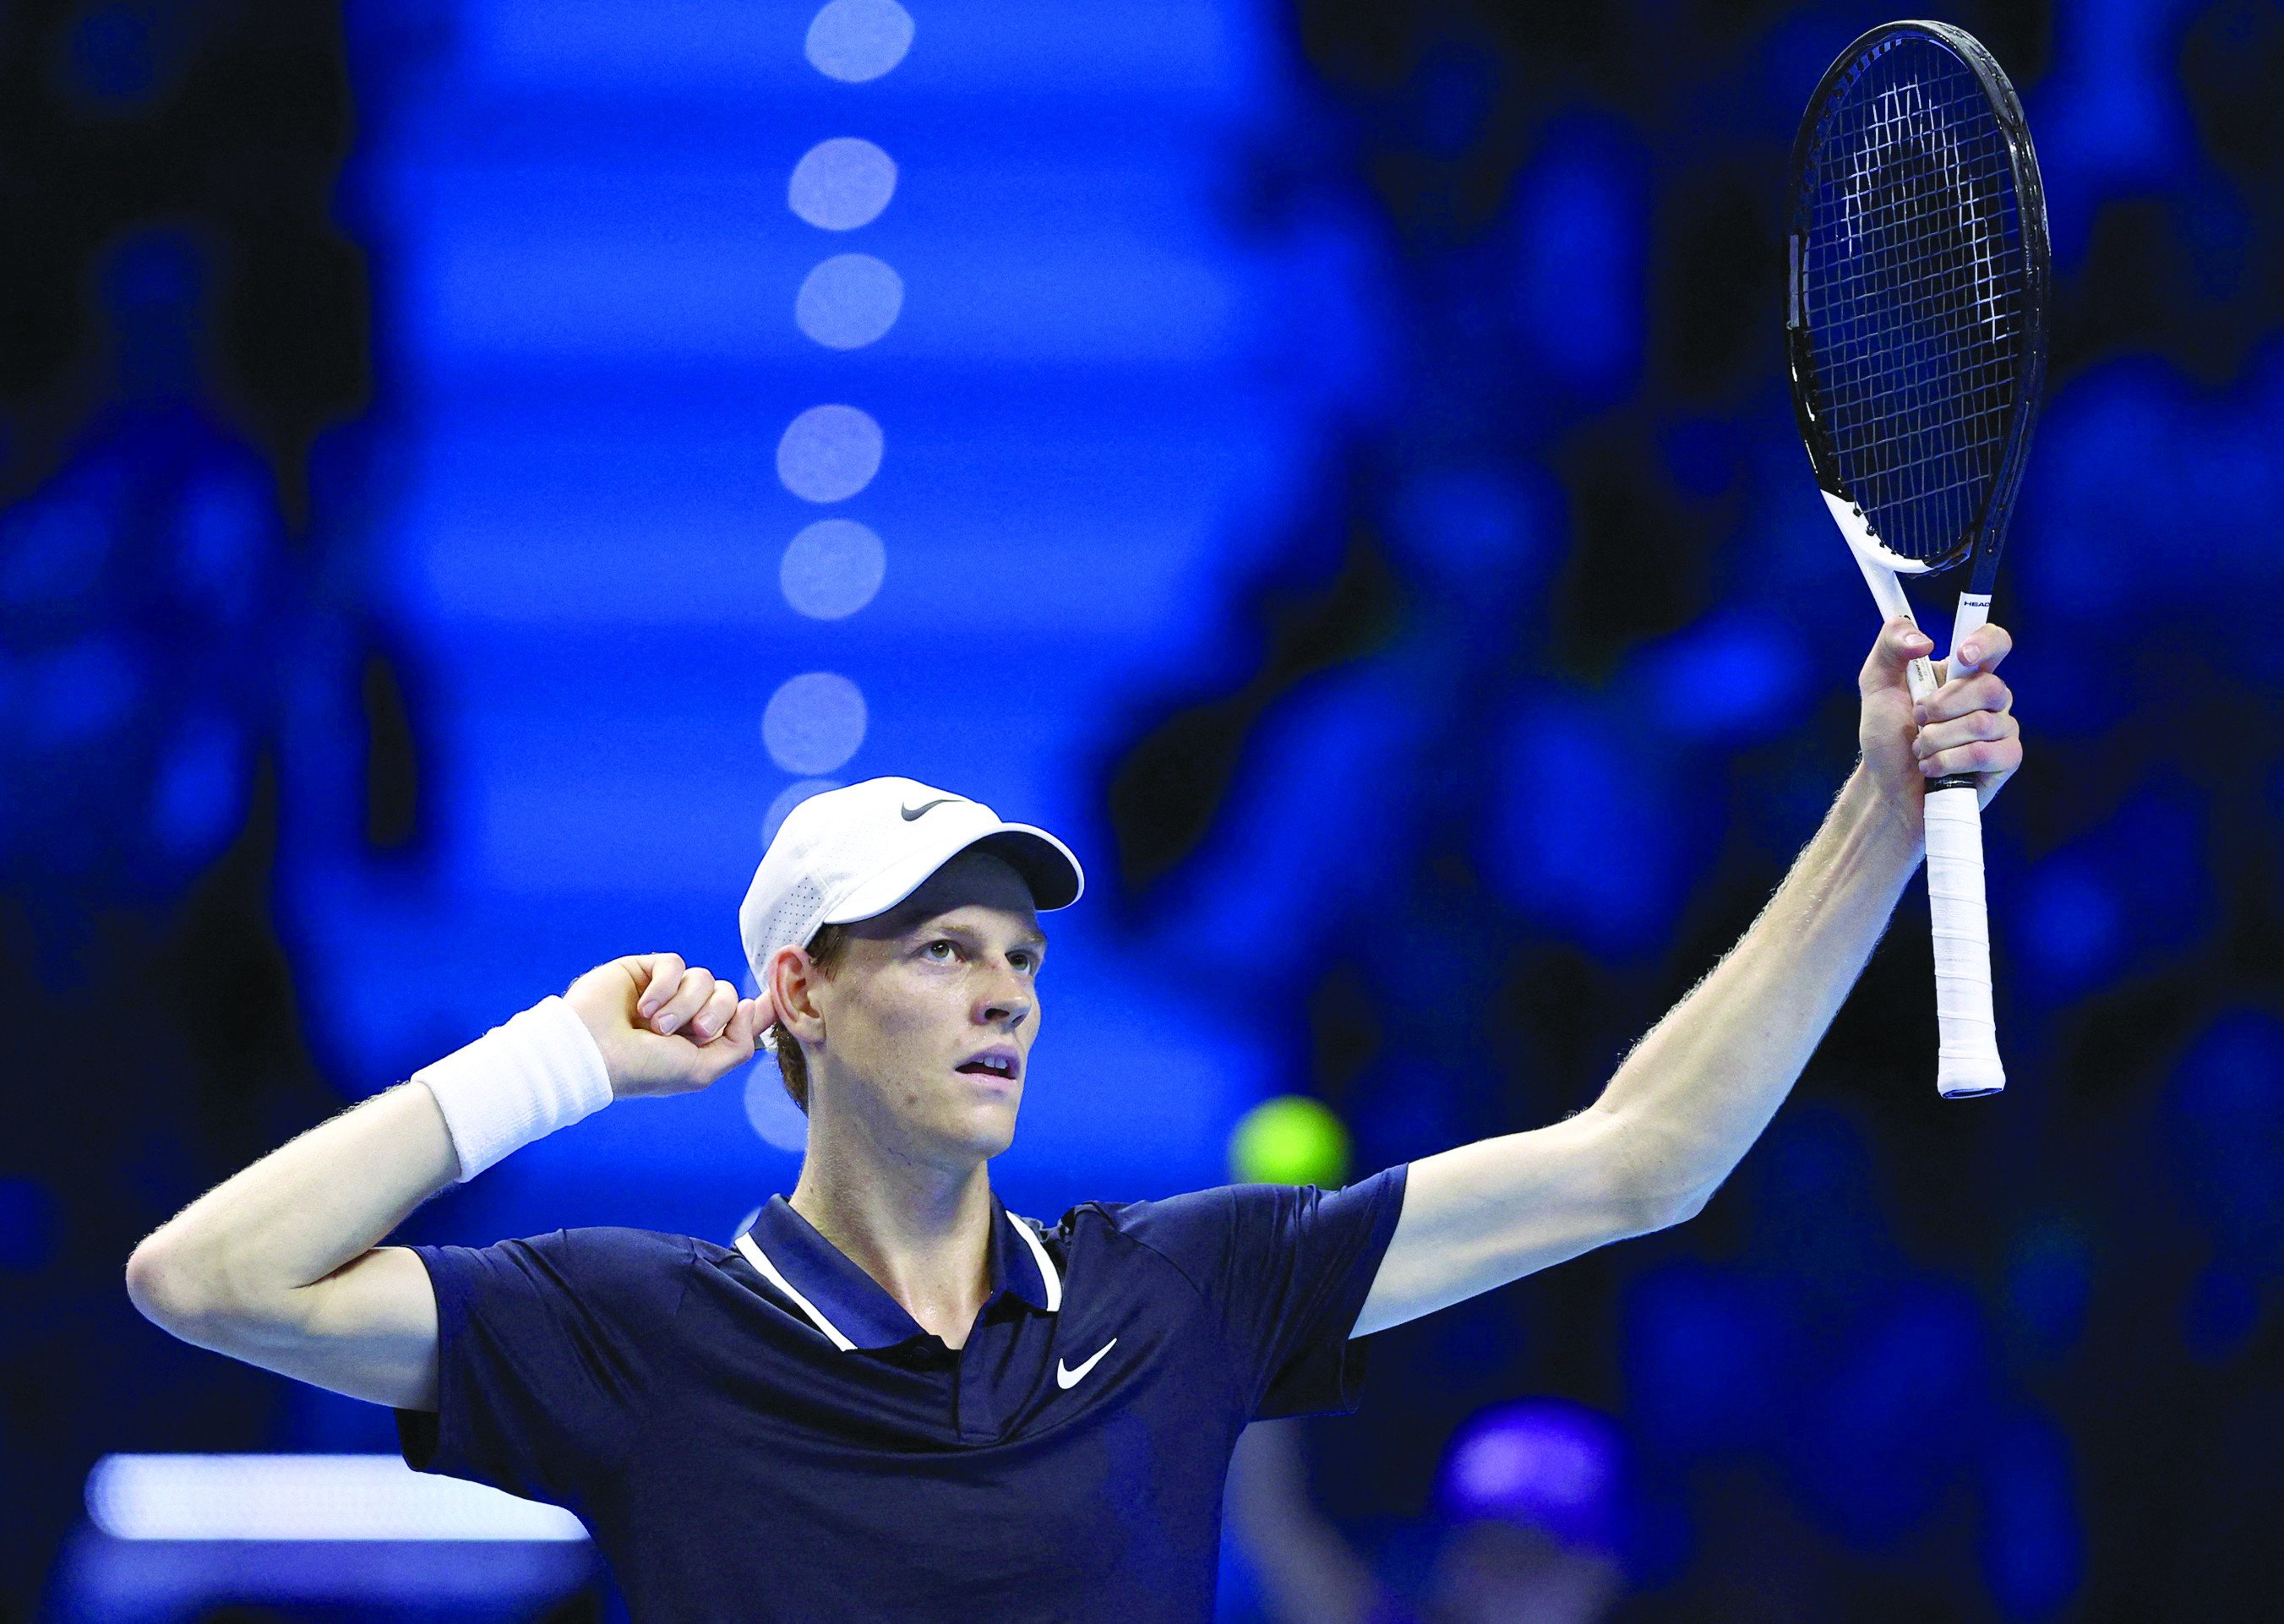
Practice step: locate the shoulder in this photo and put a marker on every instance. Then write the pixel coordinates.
(1177, 1222)
(1216, 1212)
(601, 1261)
(1204, 1233)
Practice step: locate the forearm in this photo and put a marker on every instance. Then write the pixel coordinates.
(1699, 1088)
(282, 1266)
(1695, 1093)
(301, 1213)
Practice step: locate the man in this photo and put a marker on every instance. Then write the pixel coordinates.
(892, 1399)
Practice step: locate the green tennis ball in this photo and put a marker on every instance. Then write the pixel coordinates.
(1290, 1140)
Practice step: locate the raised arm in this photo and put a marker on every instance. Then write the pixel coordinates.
(1693, 1095)
(280, 1265)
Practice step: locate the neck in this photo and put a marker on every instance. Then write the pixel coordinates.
(922, 1231)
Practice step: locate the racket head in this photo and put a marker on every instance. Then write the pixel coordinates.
(1917, 295)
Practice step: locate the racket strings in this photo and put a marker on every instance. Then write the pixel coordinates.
(1896, 184)
(1912, 283)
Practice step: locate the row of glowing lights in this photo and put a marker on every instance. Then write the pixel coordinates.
(814, 722)
(1544, 1454)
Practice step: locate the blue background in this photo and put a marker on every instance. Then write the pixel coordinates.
(1338, 473)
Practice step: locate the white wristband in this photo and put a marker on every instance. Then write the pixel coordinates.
(539, 1072)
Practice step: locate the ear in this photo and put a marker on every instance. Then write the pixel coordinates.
(793, 987)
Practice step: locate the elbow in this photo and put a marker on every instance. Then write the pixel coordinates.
(197, 1297)
(1677, 1198)
(1648, 1209)
(1668, 1211)
(1652, 1185)
(1639, 1215)
(171, 1290)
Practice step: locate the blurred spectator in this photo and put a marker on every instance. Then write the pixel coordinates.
(184, 316)
(1532, 1515)
(141, 589)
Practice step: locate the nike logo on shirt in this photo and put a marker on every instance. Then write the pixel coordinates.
(1066, 1378)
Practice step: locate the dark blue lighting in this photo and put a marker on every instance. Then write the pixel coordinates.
(51, 553)
(2227, 1105)
(1730, 678)
(200, 801)
(2071, 925)
(1703, 1362)
(2033, 1542)
(1587, 842)
(1889, 1426)
(79, 693)
(28, 1225)
(1579, 233)
(2127, 895)
(2049, 1281)
(119, 53)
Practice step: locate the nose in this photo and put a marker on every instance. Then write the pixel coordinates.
(1006, 1000)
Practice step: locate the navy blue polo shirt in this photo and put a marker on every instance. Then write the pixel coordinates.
(760, 1430)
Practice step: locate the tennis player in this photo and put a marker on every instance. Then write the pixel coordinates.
(892, 1398)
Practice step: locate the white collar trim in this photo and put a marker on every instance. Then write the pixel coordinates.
(1046, 1266)
(833, 1333)
(754, 1256)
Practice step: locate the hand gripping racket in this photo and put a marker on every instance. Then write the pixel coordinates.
(1915, 330)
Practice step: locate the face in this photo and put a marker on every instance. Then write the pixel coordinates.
(921, 1033)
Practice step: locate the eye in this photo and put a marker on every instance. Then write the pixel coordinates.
(951, 950)
(1025, 960)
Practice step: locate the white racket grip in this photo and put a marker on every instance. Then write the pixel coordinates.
(1966, 1055)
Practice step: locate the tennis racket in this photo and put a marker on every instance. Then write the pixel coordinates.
(1915, 330)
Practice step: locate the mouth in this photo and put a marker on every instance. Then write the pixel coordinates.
(999, 1065)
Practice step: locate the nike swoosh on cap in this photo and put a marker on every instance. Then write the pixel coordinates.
(913, 812)
(1066, 1378)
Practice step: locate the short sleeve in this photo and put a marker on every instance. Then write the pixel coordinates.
(1286, 1267)
(547, 1352)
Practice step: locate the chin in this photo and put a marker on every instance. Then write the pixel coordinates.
(987, 1131)
(995, 1138)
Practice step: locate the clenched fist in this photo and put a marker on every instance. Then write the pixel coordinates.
(665, 1027)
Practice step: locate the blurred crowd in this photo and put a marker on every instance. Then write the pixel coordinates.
(1560, 662)
(1557, 651)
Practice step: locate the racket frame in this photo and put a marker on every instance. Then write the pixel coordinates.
(1990, 529)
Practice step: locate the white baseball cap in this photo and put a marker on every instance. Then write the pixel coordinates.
(850, 854)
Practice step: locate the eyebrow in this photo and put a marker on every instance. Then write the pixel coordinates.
(931, 925)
